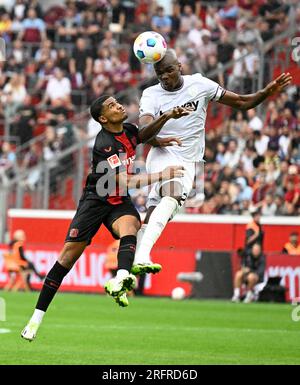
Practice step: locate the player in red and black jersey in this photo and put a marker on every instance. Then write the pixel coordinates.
(105, 200)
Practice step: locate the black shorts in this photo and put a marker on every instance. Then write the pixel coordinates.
(90, 215)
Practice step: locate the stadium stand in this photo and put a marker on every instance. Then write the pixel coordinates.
(60, 58)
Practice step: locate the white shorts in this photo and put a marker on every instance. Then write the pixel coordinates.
(157, 160)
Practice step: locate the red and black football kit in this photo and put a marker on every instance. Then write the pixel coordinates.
(102, 202)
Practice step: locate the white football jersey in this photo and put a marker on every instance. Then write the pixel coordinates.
(195, 92)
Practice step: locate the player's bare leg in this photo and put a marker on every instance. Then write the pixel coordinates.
(11, 282)
(238, 280)
(156, 220)
(69, 255)
(252, 280)
(126, 227)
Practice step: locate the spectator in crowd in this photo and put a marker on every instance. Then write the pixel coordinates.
(292, 196)
(252, 270)
(188, 20)
(161, 23)
(68, 27)
(31, 159)
(293, 246)
(18, 10)
(207, 48)
(194, 35)
(232, 154)
(268, 206)
(261, 142)
(7, 160)
(247, 160)
(109, 42)
(238, 72)
(33, 28)
(260, 189)
(45, 52)
(244, 192)
(25, 120)
(284, 142)
(94, 61)
(13, 94)
(279, 205)
(254, 121)
(81, 61)
(58, 87)
(224, 49)
(118, 14)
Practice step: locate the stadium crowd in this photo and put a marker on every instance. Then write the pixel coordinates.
(59, 60)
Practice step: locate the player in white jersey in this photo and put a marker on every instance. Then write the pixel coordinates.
(195, 91)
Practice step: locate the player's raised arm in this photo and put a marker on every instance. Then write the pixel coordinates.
(150, 127)
(141, 180)
(245, 102)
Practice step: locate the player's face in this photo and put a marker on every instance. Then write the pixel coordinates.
(169, 75)
(112, 112)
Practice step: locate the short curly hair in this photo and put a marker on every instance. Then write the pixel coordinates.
(96, 107)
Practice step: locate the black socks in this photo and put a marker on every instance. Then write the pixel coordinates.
(126, 252)
(51, 285)
(58, 272)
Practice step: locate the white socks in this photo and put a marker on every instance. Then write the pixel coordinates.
(237, 292)
(150, 233)
(139, 238)
(37, 316)
(122, 273)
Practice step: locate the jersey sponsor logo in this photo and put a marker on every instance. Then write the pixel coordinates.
(193, 105)
(74, 233)
(114, 161)
(128, 161)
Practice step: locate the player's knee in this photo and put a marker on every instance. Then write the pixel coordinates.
(69, 255)
(172, 189)
(253, 278)
(131, 229)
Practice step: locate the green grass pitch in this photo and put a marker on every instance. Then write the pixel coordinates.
(92, 329)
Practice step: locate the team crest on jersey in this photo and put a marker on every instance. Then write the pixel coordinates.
(114, 161)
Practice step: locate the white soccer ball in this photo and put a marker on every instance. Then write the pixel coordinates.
(178, 293)
(149, 47)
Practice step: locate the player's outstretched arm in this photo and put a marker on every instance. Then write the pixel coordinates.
(245, 102)
(141, 180)
(150, 127)
(165, 142)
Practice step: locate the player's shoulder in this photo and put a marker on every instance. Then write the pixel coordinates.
(131, 127)
(195, 78)
(103, 141)
(149, 91)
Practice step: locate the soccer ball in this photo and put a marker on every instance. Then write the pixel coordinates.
(178, 293)
(149, 47)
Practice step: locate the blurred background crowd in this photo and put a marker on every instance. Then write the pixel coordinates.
(61, 57)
